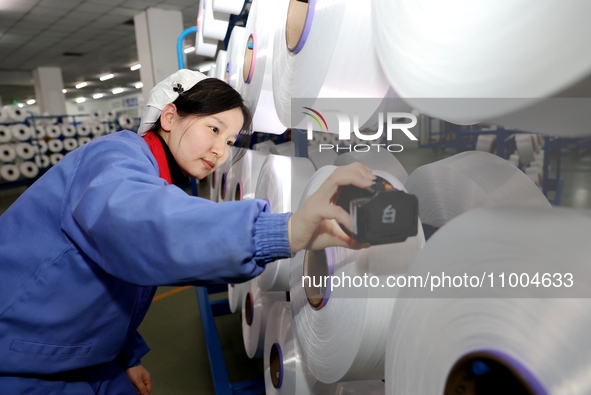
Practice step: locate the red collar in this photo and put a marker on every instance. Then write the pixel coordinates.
(158, 151)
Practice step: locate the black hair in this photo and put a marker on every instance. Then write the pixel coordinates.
(211, 96)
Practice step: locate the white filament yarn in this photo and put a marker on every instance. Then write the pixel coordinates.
(29, 169)
(5, 134)
(21, 132)
(514, 159)
(84, 129)
(55, 158)
(337, 59)
(281, 182)
(7, 153)
(9, 172)
(219, 180)
(233, 189)
(98, 129)
(125, 121)
(243, 176)
(212, 185)
(25, 151)
(381, 160)
(452, 186)
(15, 114)
(83, 140)
(236, 295)
(42, 161)
(70, 144)
(525, 147)
(234, 61)
(546, 337)
(535, 174)
(228, 6)
(368, 387)
(39, 132)
(54, 131)
(96, 115)
(204, 46)
(434, 52)
(40, 146)
(538, 163)
(255, 310)
(486, 143)
(55, 145)
(109, 116)
(67, 131)
(344, 339)
(256, 86)
(220, 65)
(285, 371)
(214, 24)
(536, 143)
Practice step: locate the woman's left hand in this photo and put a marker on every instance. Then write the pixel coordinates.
(312, 226)
(140, 378)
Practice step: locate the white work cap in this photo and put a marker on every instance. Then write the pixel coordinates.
(166, 92)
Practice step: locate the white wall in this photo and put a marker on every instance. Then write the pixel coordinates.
(130, 104)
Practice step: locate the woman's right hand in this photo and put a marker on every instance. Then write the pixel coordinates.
(313, 225)
(140, 378)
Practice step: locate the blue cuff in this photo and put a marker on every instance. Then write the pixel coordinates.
(271, 237)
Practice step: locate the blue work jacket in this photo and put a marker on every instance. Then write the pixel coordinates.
(82, 249)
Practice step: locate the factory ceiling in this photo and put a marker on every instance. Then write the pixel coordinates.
(85, 38)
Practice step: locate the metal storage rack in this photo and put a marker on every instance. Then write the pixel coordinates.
(210, 309)
(31, 121)
(461, 138)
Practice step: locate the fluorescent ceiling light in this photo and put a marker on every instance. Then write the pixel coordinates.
(81, 85)
(117, 90)
(204, 69)
(64, 91)
(139, 85)
(80, 100)
(189, 50)
(97, 95)
(21, 105)
(135, 67)
(30, 102)
(106, 77)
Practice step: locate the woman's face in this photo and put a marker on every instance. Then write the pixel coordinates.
(201, 144)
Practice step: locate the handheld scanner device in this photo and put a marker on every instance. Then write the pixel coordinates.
(380, 214)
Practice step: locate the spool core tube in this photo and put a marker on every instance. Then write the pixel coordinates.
(249, 58)
(487, 373)
(276, 365)
(298, 24)
(249, 308)
(224, 182)
(318, 269)
(238, 195)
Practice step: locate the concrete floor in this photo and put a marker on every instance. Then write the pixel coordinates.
(178, 361)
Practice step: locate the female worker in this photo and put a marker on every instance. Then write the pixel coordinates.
(82, 250)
